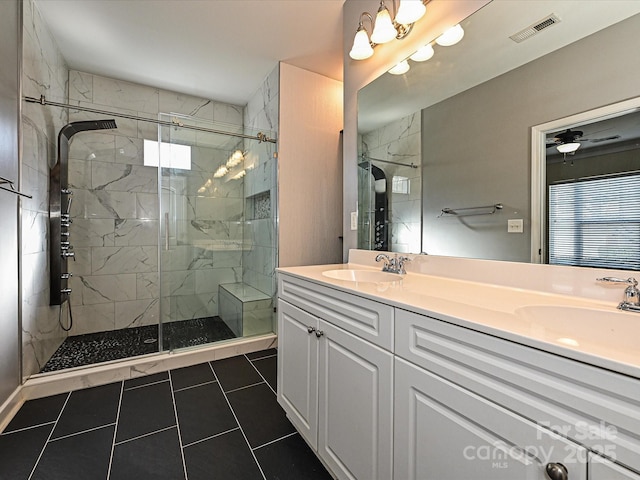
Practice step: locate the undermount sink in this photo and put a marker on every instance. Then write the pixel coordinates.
(367, 276)
(573, 326)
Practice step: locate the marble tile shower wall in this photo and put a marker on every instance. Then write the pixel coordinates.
(116, 215)
(400, 142)
(260, 253)
(44, 72)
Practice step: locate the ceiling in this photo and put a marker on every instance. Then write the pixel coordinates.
(216, 49)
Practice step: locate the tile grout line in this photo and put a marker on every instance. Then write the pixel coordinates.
(262, 376)
(245, 387)
(81, 432)
(115, 431)
(212, 436)
(175, 413)
(195, 386)
(255, 459)
(18, 430)
(146, 385)
(276, 440)
(122, 442)
(50, 433)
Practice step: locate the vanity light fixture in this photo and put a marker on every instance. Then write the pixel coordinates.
(385, 28)
(221, 172)
(423, 54)
(451, 36)
(362, 47)
(235, 159)
(400, 68)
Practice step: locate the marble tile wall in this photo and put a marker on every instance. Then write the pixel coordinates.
(260, 254)
(44, 73)
(397, 142)
(116, 210)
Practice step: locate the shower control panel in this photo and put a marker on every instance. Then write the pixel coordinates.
(60, 200)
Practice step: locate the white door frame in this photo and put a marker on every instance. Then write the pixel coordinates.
(538, 163)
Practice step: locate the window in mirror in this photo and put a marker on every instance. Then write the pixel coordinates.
(595, 222)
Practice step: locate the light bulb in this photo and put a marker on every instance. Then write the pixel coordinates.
(235, 159)
(400, 68)
(568, 147)
(410, 11)
(423, 54)
(451, 36)
(361, 45)
(221, 171)
(383, 31)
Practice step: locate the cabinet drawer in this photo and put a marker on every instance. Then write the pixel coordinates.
(592, 406)
(365, 318)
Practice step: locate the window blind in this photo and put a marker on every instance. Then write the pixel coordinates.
(596, 222)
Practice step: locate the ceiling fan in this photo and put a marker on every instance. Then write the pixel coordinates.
(575, 136)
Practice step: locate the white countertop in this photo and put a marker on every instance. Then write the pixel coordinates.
(593, 332)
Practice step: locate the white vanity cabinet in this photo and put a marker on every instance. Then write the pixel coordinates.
(602, 469)
(445, 432)
(471, 405)
(335, 386)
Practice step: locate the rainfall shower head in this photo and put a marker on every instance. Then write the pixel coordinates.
(70, 129)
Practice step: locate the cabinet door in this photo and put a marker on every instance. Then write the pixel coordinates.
(355, 406)
(445, 432)
(298, 369)
(603, 469)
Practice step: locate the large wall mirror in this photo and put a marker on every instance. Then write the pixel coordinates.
(445, 150)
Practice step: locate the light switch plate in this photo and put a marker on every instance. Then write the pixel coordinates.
(515, 225)
(354, 220)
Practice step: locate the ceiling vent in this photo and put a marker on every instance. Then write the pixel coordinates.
(536, 28)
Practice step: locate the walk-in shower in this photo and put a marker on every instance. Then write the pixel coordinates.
(161, 234)
(389, 205)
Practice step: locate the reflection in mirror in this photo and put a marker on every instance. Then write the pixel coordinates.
(591, 188)
(475, 104)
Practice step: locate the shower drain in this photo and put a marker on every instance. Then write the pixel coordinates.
(150, 340)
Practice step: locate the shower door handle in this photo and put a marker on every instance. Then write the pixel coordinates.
(166, 231)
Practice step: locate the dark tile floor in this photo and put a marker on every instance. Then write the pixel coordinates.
(92, 348)
(216, 420)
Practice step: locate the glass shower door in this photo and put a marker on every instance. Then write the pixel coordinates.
(209, 250)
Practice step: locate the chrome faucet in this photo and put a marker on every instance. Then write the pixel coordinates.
(393, 265)
(631, 300)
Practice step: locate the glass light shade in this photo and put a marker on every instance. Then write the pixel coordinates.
(423, 54)
(410, 11)
(383, 31)
(568, 147)
(361, 46)
(451, 36)
(235, 159)
(221, 172)
(400, 68)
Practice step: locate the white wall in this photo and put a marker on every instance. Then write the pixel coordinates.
(441, 14)
(309, 162)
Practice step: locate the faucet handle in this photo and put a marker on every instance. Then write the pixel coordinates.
(631, 293)
(401, 261)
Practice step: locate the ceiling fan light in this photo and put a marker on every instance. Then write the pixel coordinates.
(568, 147)
(410, 11)
(361, 48)
(423, 54)
(400, 68)
(383, 31)
(451, 36)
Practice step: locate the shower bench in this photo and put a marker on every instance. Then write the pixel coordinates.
(245, 310)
